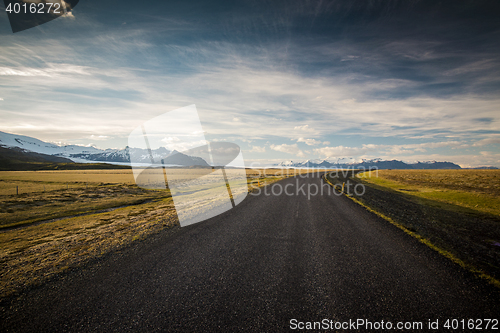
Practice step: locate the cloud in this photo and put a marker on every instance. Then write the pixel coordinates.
(412, 148)
(349, 58)
(474, 67)
(21, 72)
(50, 71)
(309, 142)
(184, 145)
(239, 85)
(340, 151)
(304, 128)
(289, 149)
(1, 99)
(99, 137)
(170, 140)
(487, 141)
(379, 150)
(257, 149)
(68, 15)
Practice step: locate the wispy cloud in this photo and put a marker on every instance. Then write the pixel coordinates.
(488, 141)
(379, 150)
(289, 149)
(340, 151)
(304, 128)
(50, 71)
(99, 137)
(257, 149)
(309, 142)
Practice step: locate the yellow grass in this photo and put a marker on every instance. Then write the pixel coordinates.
(472, 189)
(71, 176)
(37, 181)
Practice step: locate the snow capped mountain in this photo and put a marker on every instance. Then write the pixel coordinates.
(340, 160)
(38, 146)
(81, 153)
(350, 162)
(84, 154)
(286, 164)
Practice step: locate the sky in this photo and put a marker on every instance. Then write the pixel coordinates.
(285, 80)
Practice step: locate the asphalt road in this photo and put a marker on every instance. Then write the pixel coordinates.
(272, 259)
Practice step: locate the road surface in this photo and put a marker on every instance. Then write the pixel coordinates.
(265, 266)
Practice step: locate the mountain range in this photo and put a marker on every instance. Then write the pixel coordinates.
(348, 163)
(73, 153)
(34, 150)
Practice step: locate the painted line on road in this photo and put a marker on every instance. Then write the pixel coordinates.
(425, 241)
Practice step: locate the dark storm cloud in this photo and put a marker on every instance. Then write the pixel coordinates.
(443, 47)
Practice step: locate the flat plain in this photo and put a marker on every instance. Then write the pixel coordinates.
(63, 219)
(477, 190)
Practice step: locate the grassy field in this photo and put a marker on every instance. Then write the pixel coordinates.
(44, 195)
(43, 231)
(63, 177)
(32, 196)
(38, 181)
(474, 190)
